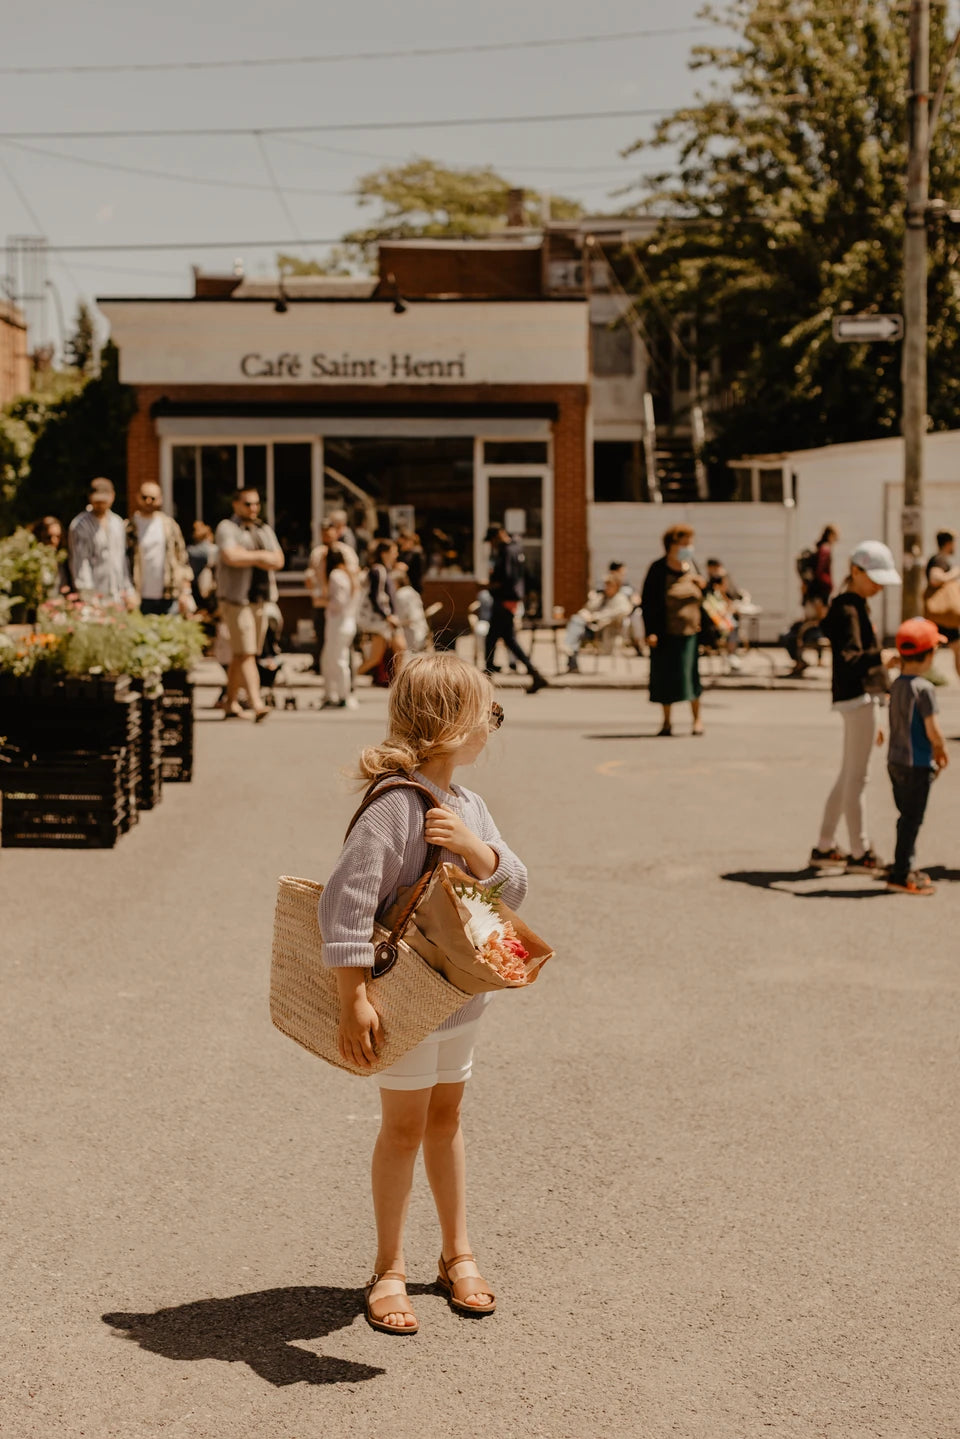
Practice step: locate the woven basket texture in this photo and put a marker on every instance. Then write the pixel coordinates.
(411, 999)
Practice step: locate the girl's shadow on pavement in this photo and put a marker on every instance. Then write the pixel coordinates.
(258, 1330)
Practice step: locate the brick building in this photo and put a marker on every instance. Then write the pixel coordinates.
(14, 356)
(449, 393)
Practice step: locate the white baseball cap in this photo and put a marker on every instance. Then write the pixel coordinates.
(875, 558)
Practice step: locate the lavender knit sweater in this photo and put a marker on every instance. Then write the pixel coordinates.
(386, 851)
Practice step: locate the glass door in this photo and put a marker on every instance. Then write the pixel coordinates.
(519, 500)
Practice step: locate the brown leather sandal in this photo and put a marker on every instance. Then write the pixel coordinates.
(394, 1300)
(455, 1286)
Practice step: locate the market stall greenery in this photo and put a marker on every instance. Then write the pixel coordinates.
(76, 637)
(28, 572)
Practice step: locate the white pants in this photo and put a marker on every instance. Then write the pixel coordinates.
(846, 797)
(335, 660)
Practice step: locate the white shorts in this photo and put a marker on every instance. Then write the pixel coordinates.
(441, 1058)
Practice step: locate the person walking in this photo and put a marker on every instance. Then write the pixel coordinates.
(859, 679)
(331, 536)
(918, 751)
(507, 586)
(339, 630)
(439, 717)
(943, 590)
(248, 556)
(97, 546)
(815, 568)
(157, 555)
(671, 601)
(378, 616)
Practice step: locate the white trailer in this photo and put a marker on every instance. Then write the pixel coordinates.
(783, 505)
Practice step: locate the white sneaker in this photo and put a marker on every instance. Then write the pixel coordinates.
(736, 664)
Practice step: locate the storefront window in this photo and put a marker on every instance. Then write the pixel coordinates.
(431, 477)
(185, 488)
(218, 481)
(515, 452)
(255, 468)
(291, 501)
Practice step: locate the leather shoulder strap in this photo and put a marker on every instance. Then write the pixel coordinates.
(386, 952)
(383, 784)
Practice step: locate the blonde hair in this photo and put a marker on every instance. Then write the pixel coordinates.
(436, 703)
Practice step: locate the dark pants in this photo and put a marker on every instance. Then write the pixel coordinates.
(320, 626)
(911, 790)
(502, 627)
(158, 607)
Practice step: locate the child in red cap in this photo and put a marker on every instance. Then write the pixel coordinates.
(917, 748)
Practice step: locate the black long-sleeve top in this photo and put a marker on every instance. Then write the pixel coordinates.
(507, 578)
(853, 639)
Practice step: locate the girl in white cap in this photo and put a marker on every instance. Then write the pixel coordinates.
(859, 679)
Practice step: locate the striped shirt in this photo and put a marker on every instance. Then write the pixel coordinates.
(98, 555)
(385, 852)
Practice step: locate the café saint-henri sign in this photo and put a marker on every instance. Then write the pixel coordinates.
(395, 367)
(359, 344)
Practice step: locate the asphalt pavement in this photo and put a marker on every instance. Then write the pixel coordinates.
(712, 1152)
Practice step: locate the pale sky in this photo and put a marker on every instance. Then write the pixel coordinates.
(85, 204)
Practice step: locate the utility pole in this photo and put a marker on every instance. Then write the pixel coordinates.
(914, 357)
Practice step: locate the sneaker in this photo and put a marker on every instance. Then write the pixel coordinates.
(828, 858)
(735, 664)
(537, 683)
(915, 883)
(573, 667)
(867, 863)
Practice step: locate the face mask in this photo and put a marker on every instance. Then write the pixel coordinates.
(685, 553)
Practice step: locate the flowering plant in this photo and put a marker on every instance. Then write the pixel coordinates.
(28, 653)
(493, 937)
(28, 570)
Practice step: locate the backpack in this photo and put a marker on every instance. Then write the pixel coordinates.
(807, 566)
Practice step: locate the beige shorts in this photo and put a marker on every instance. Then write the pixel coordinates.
(246, 626)
(442, 1058)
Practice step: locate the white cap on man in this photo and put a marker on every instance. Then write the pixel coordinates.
(876, 560)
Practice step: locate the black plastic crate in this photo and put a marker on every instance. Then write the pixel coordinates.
(76, 802)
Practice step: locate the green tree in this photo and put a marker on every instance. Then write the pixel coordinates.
(423, 198)
(77, 432)
(785, 207)
(82, 344)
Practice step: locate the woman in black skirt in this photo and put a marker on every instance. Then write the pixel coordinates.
(672, 602)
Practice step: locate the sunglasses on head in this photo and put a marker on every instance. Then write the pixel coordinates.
(496, 716)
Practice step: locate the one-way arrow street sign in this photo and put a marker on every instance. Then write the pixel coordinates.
(859, 329)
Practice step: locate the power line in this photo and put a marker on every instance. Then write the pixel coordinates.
(198, 245)
(338, 127)
(402, 159)
(275, 186)
(418, 53)
(166, 174)
(209, 182)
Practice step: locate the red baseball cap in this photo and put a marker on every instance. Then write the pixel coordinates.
(918, 637)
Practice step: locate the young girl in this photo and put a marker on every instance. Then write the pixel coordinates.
(858, 679)
(440, 714)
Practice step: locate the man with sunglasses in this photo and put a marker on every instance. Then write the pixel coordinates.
(248, 555)
(157, 556)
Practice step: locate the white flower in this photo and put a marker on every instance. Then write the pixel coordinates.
(484, 921)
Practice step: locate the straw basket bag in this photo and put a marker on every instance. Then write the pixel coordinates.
(425, 968)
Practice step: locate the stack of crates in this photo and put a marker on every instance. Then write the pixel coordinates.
(73, 767)
(176, 728)
(150, 786)
(64, 801)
